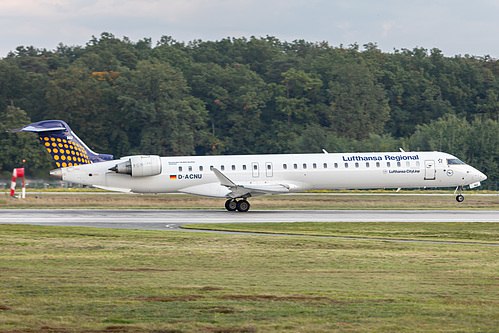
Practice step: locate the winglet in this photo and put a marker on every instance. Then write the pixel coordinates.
(224, 181)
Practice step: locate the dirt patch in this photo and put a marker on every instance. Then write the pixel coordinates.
(230, 329)
(141, 270)
(297, 298)
(185, 298)
(220, 309)
(208, 288)
(274, 298)
(256, 298)
(4, 307)
(8, 269)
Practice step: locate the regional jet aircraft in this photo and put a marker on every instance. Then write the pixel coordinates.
(237, 178)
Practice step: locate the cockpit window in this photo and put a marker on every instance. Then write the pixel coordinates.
(454, 161)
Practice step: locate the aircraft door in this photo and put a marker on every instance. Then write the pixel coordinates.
(429, 173)
(255, 169)
(269, 171)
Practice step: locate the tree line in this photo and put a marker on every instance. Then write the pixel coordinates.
(250, 95)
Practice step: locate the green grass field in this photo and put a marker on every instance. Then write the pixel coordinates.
(459, 232)
(67, 279)
(62, 279)
(391, 200)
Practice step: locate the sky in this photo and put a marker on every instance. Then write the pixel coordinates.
(456, 27)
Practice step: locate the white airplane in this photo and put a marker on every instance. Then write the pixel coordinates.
(239, 177)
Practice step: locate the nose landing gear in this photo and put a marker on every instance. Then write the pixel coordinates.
(459, 197)
(240, 205)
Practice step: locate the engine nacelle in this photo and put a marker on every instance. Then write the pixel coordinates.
(139, 166)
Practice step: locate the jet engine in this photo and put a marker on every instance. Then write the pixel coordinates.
(139, 166)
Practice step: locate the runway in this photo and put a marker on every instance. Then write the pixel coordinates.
(174, 219)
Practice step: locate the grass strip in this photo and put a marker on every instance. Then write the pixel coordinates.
(67, 279)
(466, 232)
(177, 201)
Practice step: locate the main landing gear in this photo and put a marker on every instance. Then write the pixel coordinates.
(239, 205)
(459, 197)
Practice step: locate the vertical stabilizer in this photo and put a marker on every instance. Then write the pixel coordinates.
(63, 145)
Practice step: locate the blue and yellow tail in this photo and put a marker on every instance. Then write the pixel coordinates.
(64, 146)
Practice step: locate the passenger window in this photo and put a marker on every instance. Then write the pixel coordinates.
(304, 165)
(407, 164)
(222, 167)
(417, 163)
(336, 165)
(314, 165)
(244, 166)
(211, 167)
(200, 168)
(269, 166)
(190, 168)
(255, 167)
(325, 165)
(378, 164)
(180, 169)
(233, 167)
(367, 164)
(284, 166)
(399, 164)
(295, 166)
(356, 164)
(346, 165)
(388, 164)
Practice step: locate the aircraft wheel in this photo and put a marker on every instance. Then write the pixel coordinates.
(231, 205)
(459, 198)
(243, 206)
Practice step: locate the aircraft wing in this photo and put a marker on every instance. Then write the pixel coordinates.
(237, 191)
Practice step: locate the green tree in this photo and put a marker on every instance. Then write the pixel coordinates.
(14, 147)
(449, 134)
(158, 112)
(86, 100)
(298, 90)
(257, 95)
(483, 151)
(235, 98)
(476, 143)
(12, 83)
(358, 103)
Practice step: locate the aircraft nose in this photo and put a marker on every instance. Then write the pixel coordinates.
(476, 176)
(481, 176)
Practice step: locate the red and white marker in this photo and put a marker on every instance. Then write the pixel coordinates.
(17, 173)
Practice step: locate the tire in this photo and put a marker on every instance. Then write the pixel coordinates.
(231, 205)
(460, 198)
(243, 206)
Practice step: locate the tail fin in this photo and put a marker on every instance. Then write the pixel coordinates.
(64, 146)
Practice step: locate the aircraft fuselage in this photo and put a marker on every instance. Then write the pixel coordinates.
(297, 172)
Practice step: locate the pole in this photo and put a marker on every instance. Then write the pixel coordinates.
(23, 195)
